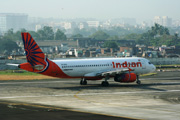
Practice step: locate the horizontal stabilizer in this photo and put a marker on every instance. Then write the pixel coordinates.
(12, 64)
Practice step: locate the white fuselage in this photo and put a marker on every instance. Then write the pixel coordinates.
(90, 67)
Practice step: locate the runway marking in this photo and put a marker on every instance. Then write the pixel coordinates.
(86, 94)
(76, 95)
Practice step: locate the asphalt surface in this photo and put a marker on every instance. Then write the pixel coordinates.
(12, 111)
(157, 98)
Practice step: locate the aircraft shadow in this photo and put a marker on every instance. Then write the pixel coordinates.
(98, 86)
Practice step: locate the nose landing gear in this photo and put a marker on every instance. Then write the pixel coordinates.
(138, 81)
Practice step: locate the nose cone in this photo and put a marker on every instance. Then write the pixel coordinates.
(153, 68)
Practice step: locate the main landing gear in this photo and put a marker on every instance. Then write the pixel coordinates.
(138, 81)
(83, 81)
(105, 83)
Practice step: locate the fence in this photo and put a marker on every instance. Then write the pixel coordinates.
(165, 61)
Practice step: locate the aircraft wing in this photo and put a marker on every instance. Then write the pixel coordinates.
(111, 72)
(114, 72)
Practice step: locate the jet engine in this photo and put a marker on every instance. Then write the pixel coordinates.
(126, 77)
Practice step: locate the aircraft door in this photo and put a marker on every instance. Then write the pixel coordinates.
(143, 64)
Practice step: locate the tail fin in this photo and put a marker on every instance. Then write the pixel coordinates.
(34, 54)
(37, 61)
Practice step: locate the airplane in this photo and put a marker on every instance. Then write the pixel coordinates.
(124, 70)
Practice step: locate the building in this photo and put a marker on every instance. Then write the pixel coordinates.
(38, 27)
(124, 21)
(93, 23)
(90, 42)
(50, 46)
(158, 20)
(69, 25)
(83, 25)
(164, 21)
(15, 21)
(144, 25)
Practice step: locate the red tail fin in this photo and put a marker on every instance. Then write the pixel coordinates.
(37, 61)
(34, 54)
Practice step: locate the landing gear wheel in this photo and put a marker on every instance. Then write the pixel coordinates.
(138, 82)
(83, 82)
(105, 83)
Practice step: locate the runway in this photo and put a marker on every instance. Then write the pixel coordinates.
(18, 111)
(157, 98)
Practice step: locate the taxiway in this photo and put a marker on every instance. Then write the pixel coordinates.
(157, 98)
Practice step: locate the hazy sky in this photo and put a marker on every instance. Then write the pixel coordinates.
(140, 9)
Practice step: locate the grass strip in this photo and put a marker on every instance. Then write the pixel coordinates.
(17, 72)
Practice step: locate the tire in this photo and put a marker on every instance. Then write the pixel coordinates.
(105, 83)
(83, 82)
(138, 82)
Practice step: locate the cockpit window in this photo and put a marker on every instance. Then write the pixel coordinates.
(149, 62)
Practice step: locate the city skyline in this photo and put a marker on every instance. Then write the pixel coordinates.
(142, 10)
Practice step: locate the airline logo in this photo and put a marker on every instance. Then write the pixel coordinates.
(126, 64)
(34, 54)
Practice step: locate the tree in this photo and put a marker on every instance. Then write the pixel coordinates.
(60, 35)
(77, 36)
(156, 36)
(8, 45)
(159, 30)
(166, 31)
(9, 35)
(175, 39)
(110, 44)
(85, 31)
(46, 33)
(10, 32)
(42, 35)
(35, 35)
(113, 38)
(17, 35)
(100, 35)
(132, 36)
(14, 36)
